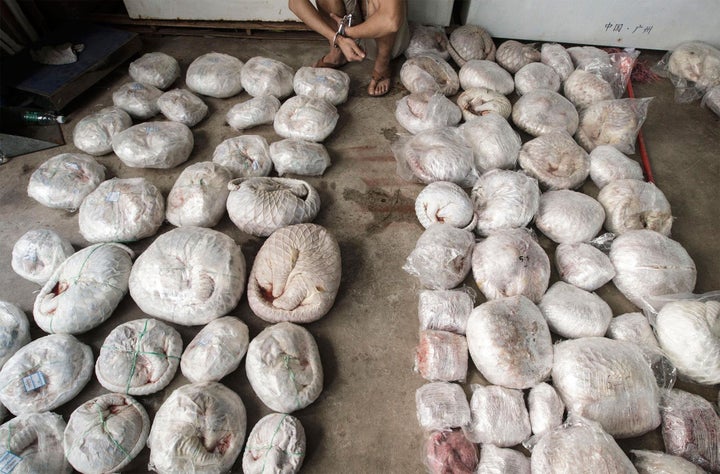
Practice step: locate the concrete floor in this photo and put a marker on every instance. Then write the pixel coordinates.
(364, 420)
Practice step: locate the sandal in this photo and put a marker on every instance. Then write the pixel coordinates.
(322, 63)
(375, 82)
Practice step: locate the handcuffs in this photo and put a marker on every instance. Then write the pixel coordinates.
(346, 21)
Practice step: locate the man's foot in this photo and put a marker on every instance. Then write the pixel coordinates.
(380, 82)
(333, 60)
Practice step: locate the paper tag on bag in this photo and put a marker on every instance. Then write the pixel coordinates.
(8, 462)
(33, 381)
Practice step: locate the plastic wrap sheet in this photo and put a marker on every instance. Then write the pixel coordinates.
(450, 452)
(545, 407)
(157, 69)
(93, 133)
(426, 110)
(568, 217)
(583, 265)
(198, 196)
(63, 181)
(445, 310)
(494, 460)
(276, 443)
(37, 439)
(181, 105)
(572, 313)
(245, 156)
(38, 253)
(216, 350)
(14, 330)
(534, 76)
(582, 56)
(556, 56)
(443, 202)
(154, 145)
(441, 406)
(479, 101)
(504, 200)
(607, 164)
(493, 141)
(137, 99)
(514, 55)
(490, 404)
(426, 39)
(441, 258)
(693, 67)
(215, 75)
(253, 112)
(469, 42)
(711, 100)
(295, 156)
(657, 462)
(486, 74)
(428, 72)
(441, 356)
(612, 122)
(631, 204)
(266, 76)
(555, 160)
(542, 111)
(306, 118)
(331, 85)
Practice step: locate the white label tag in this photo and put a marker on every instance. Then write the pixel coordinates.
(72, 166)
(137, 86)
(8, 462)
(112, 196)
(34, 381)
(152, 129)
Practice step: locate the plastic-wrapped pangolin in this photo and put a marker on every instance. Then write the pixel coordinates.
(305, 117)
(442, 406)
(513, 55)
(711, 100)
(156, 68)
(584, 88)
(331, 85)
(510, 342)
(296, 275)
(199, 428)
(216, 350)
(253, 112)
(569, 217)
(295, 156)
(139, 357)
(427, 39)
(106, 433)
(556, 160)
(38, 253)
(572, 313)
(262, 76)
(504, 199)
(93, 133)
(697, 62)
(607, 164)
(543, 111)
(441, 258)
(137, 99)
(557, 57)
(261, 205)
(121, 210)
(490, 404)
(426, 110)
(585, 56)
(181, 105)
(245, 156)
(493, 141)
(445, 310)
(631, 204)
(612, 122)
(33, 443)
(445, 203)
(657, 462)
(275, 444)
(449, 451)
(85, 290)
(283, 367)
(198, 196)
(534, 76)
(583, 265)
(428, 72)
(509, 263)
(63, 181)
(189, 276)
(441, 356)
(478, 101)
(45, 374)
(14, 330)
(160, 144)
(479, 73)
(545, 407)
(470, 42)
(215, 75)
(494, 460)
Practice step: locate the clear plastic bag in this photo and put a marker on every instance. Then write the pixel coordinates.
(612, 122)
(711, 100)
(584, 88)
(479, 101)
(215, 75)
(556, 160)
(137, 99)
(490, 404)
(607, 164)
(263, 76)
(198, 196)
(245, 156)
(445, 310)
(428, 72)
(469, 42)
(631, 204)
(545, 407)
(276, 443)
(557, 57)
(426, 110)
(514, 55)
(693, 67)
(63, 181)
(441, 258)
(443, 202)
(181, 105)
(306, 118)
(583, 265)
(14, 331)
(93, 133)
(504, 199)
(486, 74)
(253, 112)
(328, 84)
(216, 350)
(534, 76)
(427, 39)
(37, 440)
(568, 217)
(38, 253)
(450, 451)
(493, 141)
(573, 313)
(156, 69)
(441, 356)
(441, 406)
(657, 462)
(494, 460)
(295, 156)
(543, 111)
(160, 145)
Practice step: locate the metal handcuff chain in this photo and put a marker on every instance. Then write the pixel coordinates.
(346, 21)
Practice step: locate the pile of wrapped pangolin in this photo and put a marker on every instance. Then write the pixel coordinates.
(192, 275)
(564, 376)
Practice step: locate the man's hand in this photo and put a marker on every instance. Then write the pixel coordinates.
(350, 48)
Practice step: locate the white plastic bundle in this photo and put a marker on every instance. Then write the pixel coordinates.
(584, 88)
(306, 118)
(494, 460)
(583, 265)
(510, 263)
(609, 382)
(189, 276)
(543, 111)
(445, 203)
(557, 57)
(631, 204)
(469, 42)
(492, 403)
(579, 447)
(632, 327)
(137, 99)
(276, 443)
(546, 408)
(157, 69)
(106, 433)
(63, 181)
(428, 72)
(121, 210)
(569, 217)
(657, 462)
(426, 110)
(691, 428)
(445, 310)
(711, 100)
(45, 374)
(253, 112)
(510, 342)
(84, 290)
(649, 264)
(198, 196)
(296, 275)
(584, 56)
(694, 68)
(160, 145)
(295, 156)
(493, 141)
(479, 101)
(440, 154)
(689, 333)
(14, 330)
(513, 55)
(215, 351)
(215, 75)
(450, 451)
(93, 133)
(486, 74)
(266, 76)
(139, 357)
(33, 443)
(607, 164)
(331, 85)
(199, 428)
(612, 122)
(181, 105)
(244, 156)
(536, 76)
(572, 313)
(556, 160)
(260, 206)
(441, 406)
(38, 253)
(441, 258)
(441, 356)
(427, 39)
(283, 367)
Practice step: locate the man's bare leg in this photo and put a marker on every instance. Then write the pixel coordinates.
(335, 57)
(382, 72)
